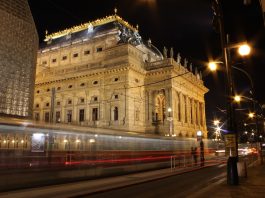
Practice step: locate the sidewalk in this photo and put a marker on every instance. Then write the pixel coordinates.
(252, 186)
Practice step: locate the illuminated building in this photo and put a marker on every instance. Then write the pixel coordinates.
(18, 51)
(103, 74)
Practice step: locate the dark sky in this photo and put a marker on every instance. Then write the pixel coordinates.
(185, 25)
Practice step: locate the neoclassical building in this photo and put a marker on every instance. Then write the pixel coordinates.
(103, 74)
(18, 54)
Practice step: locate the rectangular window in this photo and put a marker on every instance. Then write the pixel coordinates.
(99, 49)
(54, 60)
(95, 114)
(64, 58)
(81, 115)
(75, 55)
(47, 117)
(37, 116)
(69, 116)
(86, 52)
(58, 116)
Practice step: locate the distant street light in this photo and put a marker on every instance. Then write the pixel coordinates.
(237, 98)
(251, 115)
(170, 119)
(216, 122)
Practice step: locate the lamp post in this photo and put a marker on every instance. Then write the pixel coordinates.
(170, 119)
(231, 137)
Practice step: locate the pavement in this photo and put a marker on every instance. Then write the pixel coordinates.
(251, 186)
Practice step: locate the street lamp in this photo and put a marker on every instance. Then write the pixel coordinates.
(244, 50)
(170, 119)
(231, 137)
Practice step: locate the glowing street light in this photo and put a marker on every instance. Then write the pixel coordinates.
(244, 50)
(216, 122)
(251, 115)
(237, 98)
(212, 66)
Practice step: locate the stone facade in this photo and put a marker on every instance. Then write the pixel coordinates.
(18, 54)
(106, 76)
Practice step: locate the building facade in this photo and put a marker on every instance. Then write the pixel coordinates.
(103, 74)
(18, 54)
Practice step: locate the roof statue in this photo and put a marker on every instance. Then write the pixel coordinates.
(149, 43)
(190, 67)
(171, 52)
(185, 63)
(178, 58)
(165, 52)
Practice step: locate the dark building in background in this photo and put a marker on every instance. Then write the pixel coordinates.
(18, 51)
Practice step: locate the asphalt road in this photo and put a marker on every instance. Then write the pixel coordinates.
(182, 185)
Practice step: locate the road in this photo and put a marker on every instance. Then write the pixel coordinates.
(182, 185)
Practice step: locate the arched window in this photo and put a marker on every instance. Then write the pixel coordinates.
(116, 113)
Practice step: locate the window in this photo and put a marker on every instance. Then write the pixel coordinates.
(37, 105)
(99, 49)
(82, 84)
(58, 116)
(75, 55)
(58, 88)
(95, 82)
(82, 100)
(116, 114)
(69, 101)
(94, 114)
(70, 86)
(38, 91)
(137, 115)
(37, 116)
(81, 115)
(136, 80)
(58, 103)
(95, 98)
(116, 79)
(48, 90)
(86, 52)
(54, 60)
(44, 62)
(47, 104)
(47, 117)
(69, 116)
(116, 96)
(64, 58)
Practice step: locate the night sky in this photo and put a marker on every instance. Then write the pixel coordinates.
(185, 25)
